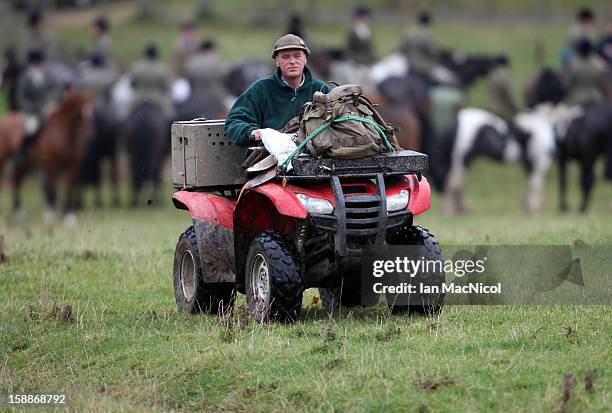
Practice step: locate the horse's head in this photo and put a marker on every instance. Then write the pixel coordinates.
(547, 87)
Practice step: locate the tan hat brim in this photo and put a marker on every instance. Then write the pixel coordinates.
(296, 47)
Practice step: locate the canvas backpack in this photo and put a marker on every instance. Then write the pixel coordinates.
(344, 124)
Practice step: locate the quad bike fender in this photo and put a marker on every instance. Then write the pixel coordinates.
(265, 207)
(206, 207)
(420, 194)
(212, 217)
(285, 201)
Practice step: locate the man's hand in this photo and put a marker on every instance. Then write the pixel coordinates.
(256, 134)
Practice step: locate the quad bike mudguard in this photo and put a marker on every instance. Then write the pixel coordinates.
(257, 203)
(420, 194)
(212, 217)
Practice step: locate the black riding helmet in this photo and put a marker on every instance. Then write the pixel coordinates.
(151, 51)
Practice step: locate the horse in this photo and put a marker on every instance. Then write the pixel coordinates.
(481, 133)
(200, 107)
(407, 101)
(586, 138)
(103, 144)
(404, 103)
(59, 149)
(583, 136)
(11, 135)
(242, 74)
(146, 133)
(467, 68)
(545, 86)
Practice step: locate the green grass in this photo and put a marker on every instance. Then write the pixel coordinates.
(127, 348)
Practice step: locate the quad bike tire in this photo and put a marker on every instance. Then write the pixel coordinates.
(192, 294)
(415, 235)
(274, 286)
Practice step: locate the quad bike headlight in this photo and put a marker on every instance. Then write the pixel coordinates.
(398, 201)
(316, 205)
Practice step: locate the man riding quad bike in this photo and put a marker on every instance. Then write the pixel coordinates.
(309, 222)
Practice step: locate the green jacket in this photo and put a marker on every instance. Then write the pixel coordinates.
(205, 72)
(502, 101)
(36, 87)
(269, 103)
(99, 81)
(585, 81)
(151, 83)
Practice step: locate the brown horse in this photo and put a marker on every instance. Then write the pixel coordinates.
(59, 149)
(11, 134)
(401, 116)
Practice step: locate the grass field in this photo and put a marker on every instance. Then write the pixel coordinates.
(125, 348)
(89, 311)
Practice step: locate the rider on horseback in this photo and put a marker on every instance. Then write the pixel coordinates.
(36, 96)
(205, 72)
(418, 45)
(585, 75)
(360, 46)
(150, 79)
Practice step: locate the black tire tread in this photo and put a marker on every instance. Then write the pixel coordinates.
(415, 235)
(286, 285)
(209, 298)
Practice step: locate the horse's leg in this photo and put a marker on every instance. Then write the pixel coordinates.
(97, 165)
(95, 156)
(535, 186)
(98, 187)
(114, 177)
(588, 178)
(50, 190)
(562, 177)
(71, 180)
(461, 207)
(19, 173)
(156, 167)
(452, 198)
(110, 150)
(137, 176)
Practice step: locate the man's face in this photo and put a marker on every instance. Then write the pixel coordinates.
(291, 62)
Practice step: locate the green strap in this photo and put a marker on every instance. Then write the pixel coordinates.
(369, 122)
(328, 124)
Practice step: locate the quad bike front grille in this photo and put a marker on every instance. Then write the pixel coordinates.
(362, 214)
(360, 221)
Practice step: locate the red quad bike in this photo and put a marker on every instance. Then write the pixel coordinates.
(304, 229)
